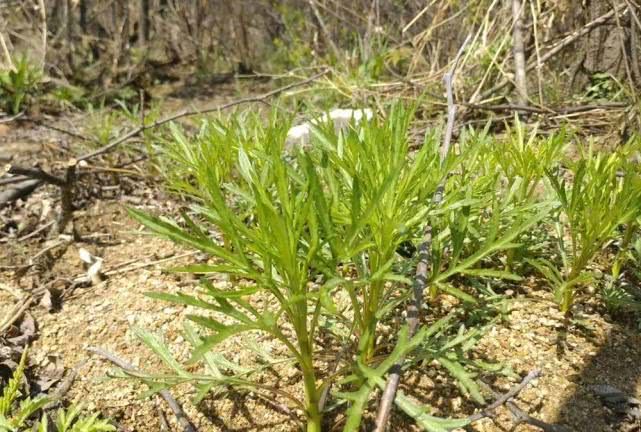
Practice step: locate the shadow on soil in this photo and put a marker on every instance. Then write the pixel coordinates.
(618, 364)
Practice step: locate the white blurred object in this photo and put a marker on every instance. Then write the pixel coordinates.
(93, 265)
(300, 135)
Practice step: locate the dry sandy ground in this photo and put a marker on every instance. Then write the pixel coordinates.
(600, 351)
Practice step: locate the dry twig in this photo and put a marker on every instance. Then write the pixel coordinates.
(181, 417)
(15, 314)
(63, 388)
(420, 281)
(518, 414)
(519, 52)
(487, 411)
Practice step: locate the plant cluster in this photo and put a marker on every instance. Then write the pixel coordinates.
(19, 84)
(319, 245)
(17, 415)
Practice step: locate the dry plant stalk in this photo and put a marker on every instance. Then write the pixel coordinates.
(43, 26)
(5, 51)
(420, 281)
(519, 52)
(181, 416)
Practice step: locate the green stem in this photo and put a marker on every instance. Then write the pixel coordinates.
(367, 347)
(568, 299)
(312, 395)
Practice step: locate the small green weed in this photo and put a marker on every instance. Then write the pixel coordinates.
(19, 86)
(17, 416)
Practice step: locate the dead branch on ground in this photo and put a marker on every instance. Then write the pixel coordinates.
(519, 416)
(15, 314)
(181, 417)
(68, 182)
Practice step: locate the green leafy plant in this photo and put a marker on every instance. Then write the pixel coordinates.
(371, 197)
(19, 85)
(376, 198)
(523, 159)
(314, 242)
(15, 415)
(615, 292)
(604, 86)
(604, 194)
(188, 162)
(274, 254)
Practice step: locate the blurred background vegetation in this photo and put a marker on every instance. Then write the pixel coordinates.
(587, 49)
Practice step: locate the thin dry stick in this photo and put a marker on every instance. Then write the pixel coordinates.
(519, 52)
(417, 17)
(35, 232)
(15, 315)
(5, 51)
(487, 411)
(187, 113)
(420, 281)
(147, 264)
(65, 385)
(519, 415)
(164, 426)
(537, 50)
(181, 417)
(43, 25)
(323, 27)
(559, 47)
(548, 110)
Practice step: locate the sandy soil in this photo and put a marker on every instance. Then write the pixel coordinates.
(600, 351)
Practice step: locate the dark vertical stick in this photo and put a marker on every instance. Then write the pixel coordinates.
(519, 52)
(66, 198)
(420, 280)
(83, 7)
(143, 24)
